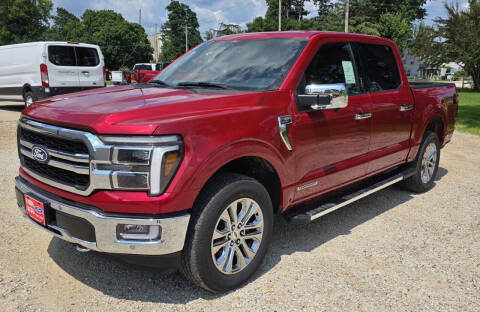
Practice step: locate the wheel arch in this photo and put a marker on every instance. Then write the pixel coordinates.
(263, 165)
(26, 87)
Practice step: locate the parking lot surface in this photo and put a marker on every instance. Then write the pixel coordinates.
(392, 251)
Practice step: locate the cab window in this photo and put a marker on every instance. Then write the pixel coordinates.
(381, 69)
(332, 64)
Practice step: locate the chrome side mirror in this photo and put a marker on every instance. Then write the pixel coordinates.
(325, 96)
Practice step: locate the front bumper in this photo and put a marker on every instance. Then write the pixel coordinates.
(104, 237)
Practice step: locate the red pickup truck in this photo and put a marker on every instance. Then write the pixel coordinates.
(145, 72)
(193, 166)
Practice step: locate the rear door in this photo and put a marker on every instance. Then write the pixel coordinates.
(392, 105)
(62, 66)
(90, 67)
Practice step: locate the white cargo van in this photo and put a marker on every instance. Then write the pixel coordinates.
(31, 71)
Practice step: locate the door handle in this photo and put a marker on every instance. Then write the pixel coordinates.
(404, 108)
(86, 72)
(363, 116)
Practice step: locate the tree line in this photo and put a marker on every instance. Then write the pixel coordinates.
(122, 43)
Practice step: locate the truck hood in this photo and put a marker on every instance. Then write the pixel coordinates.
(136, 110)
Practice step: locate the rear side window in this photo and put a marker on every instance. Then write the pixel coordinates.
(381, 68)
(61, 55)
(87, 56)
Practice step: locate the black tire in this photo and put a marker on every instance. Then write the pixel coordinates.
(415, 182)
(197, 262)
(28, 98)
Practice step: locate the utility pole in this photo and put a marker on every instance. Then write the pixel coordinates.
(186, 38)
(186, 30)
(140, 16)
(155, 43)
(279, 15)
(347, 7)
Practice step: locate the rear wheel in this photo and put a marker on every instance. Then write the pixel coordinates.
(426, 163)
(28, 98)
(229, 233)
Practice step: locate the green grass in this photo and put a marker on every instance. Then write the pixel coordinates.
(468, 111)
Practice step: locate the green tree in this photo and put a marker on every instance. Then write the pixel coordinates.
(460, 33)
(122, 43)
(23, 20)
(426, 45)
(65, 27)
(173, 31)
(395, 27)
(228, 29)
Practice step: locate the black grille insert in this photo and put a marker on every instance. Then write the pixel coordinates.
(59, 144)
(70, 178)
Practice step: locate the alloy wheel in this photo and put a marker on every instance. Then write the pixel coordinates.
(237, 236)
(429, 162)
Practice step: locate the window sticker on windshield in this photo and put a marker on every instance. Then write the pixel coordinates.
(348, 72)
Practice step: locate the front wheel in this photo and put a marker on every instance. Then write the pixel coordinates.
(229, 234)
(426, 163)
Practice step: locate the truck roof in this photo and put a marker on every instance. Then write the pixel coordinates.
(298, 34)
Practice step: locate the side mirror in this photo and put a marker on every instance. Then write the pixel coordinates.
(324, 96)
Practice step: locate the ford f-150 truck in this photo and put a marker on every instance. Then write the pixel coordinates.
(192, 166)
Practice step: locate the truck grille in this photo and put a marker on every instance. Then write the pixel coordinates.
(67, 163)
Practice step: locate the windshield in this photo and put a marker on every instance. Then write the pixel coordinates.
(253, 64)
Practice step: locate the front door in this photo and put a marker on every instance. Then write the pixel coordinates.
(392, 106)
(331, 146)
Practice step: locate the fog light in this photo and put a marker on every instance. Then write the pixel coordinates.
(138, 232)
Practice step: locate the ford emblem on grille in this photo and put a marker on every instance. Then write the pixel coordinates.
(40, 154)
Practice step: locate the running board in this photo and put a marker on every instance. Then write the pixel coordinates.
(305, 215)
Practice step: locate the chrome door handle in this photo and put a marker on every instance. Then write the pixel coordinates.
(86, 72)
(404, 108)
(363, 116)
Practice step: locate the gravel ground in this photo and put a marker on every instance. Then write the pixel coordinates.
(392, 251)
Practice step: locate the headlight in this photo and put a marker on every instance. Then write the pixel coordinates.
(142, 162)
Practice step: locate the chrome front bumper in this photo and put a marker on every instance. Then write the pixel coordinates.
(173, 229)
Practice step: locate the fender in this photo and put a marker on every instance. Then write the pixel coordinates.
(239, 149)
(431, 112)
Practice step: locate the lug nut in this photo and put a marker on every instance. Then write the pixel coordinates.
(242, 232)
(231, 243)
(238, 241)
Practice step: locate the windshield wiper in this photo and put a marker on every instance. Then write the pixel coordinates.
(159, 82)
(202, 84)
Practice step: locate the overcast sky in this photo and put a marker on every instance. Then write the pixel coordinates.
(209, 12)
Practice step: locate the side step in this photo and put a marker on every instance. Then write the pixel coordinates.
(307, 213)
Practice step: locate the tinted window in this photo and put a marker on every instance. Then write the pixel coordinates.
(61, 55)
(87, 57)
(380, 67)
(248, 64)
(333, 63)
(142, 67)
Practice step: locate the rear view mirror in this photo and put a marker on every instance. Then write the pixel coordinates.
(324, 96)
